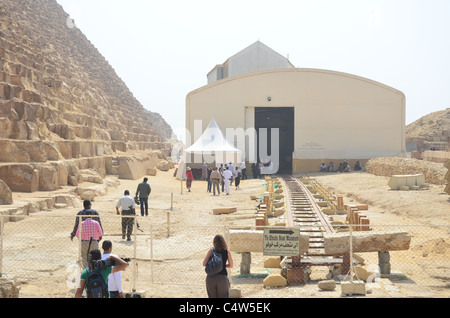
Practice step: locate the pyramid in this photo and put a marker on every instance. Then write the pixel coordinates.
(62, 106)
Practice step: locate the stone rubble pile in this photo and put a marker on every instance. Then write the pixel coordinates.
(388, 166)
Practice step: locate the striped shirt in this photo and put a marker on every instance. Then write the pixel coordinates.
(90, 228)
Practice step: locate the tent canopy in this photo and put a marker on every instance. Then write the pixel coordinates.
(212, 141)
(211, 147)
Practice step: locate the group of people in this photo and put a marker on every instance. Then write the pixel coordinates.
(217, 285)
(343, 167)
(257, 168)
(219, 178)
(92, 233)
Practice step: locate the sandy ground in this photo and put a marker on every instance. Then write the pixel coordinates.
(386, 207)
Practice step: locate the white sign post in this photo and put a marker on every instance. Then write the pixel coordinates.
(281, 241)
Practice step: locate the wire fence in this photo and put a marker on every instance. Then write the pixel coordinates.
(166, 259)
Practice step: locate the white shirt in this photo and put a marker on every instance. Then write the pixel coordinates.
(125, 202)
(227, 175)
(243, 166)
(114, 279)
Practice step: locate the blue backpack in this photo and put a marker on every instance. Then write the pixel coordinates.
(214, 265)
(96, 286)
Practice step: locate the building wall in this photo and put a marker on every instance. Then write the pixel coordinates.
(338, 116)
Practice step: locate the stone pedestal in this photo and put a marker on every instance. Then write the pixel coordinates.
(246, 262)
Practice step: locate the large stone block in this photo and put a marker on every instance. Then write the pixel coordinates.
(5, 194)
(376, 241)
(20, 177)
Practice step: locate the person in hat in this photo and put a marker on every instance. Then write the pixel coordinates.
(189, 178)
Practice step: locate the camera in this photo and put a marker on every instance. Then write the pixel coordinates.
(102, 264)
(136, 200)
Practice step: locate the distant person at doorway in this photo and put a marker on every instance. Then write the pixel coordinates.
(128, 207)
(189, 179)
(255, 170)
(237, 177)
(243, 170)
(143, 192)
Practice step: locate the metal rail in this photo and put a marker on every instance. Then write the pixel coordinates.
(302, 211)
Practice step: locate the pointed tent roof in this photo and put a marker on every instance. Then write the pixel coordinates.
(212, 140)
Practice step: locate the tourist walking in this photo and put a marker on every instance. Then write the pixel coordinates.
(143, 192)
(237, 177)
(96, 255)
(208, 179)
(243, 170)
(216, 179)
(114, 279)
(204, 171)
(128, 207)
(218, 285)
(227, 177)
(86, 213)
(189, 178)
(91, 234)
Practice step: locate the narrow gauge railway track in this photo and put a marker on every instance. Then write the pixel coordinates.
(303, 212)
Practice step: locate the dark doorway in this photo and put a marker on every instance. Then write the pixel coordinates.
(283, 119)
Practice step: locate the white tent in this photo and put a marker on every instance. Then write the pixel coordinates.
(212, 140)
(211, 147)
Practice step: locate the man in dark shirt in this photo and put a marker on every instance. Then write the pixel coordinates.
(86, 245)
(143, 191)
(86, 211)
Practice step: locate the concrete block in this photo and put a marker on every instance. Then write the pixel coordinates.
(275, 280)
(353, 288)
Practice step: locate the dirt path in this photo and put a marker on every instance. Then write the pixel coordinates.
(195, 209)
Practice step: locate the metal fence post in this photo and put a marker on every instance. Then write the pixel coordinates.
(1, 243)
(135, 256)
(151, 254)
(80, 257)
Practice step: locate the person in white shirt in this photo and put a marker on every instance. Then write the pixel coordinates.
(244, 170)
(114, 279)
(227, 176)
(231, 168)
(128, 206)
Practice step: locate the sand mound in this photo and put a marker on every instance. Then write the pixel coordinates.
(437, 248)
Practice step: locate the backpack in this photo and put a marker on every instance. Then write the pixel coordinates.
(215, 264)
(96, 286)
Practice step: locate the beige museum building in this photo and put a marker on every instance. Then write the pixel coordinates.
(320, 115)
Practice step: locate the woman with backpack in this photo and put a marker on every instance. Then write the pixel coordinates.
(217, 283)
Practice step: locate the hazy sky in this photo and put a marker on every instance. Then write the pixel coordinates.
(163, 49)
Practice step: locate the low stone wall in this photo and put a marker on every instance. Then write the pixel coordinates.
(50, 176)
